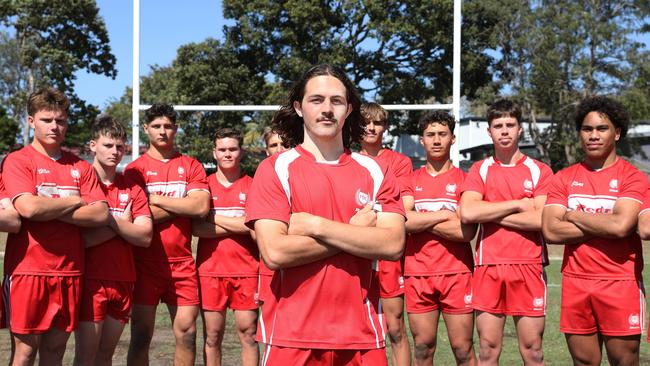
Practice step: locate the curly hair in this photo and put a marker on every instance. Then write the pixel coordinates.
(442, 117)
(160, 110)
(605, 107)
(289, 125)
(503, 108)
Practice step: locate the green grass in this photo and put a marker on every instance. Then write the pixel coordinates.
(555, 350)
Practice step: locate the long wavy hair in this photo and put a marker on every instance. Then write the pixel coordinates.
(289, 125)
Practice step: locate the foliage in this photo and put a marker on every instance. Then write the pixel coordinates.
(8, 131)
(49, 42)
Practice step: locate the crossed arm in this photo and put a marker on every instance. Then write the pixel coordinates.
(561, 226)
(72, 210)
(9, 217)
(308, 238)
(195, 204)
(215, 226)
(443, 223)
(524, 214)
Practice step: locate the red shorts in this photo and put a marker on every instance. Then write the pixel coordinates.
(173, 283)
(451, 293)
(283, 356)
(36, 303)
(391, 280)
(610, 307)
(510, 289)
(220, 293)
(103, 297)
(267, 301)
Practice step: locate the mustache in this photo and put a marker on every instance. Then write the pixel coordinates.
(332, 119)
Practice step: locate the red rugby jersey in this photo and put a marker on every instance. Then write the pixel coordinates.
(113, 259)
(427, 253)
(47, 247)
(399, 164)
(527, 178)
(231, 256)
(175, 178)
(580, 188)
(331, 303)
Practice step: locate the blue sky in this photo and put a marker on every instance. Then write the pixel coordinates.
(164, 26)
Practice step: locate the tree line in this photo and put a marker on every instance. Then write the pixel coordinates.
(545, 54)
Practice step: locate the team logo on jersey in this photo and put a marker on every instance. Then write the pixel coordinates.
(468, 299)
(124, 197)
(361, 198)
(575, 183)
(418, 189)
(181, 170)
(149, 172)
(242, 196)
(451, 188)
(401, 280)
(43, 171)
(634, 320)
(613, 185)
(538, 302)
(528, 185)
(74, 172)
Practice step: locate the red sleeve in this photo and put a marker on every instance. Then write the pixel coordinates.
(406, 184)
(134, 174)
(18, 176)
(91, 192)
(473, 181)
(545, 178)
(196, 179)
(462, 176)
(557, 191)
(266, 198)
(635, 185)
(403, 167)
(140, 204)
(388, 195)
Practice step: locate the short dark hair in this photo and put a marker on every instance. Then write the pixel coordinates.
(289, 125)
(228, 132)
(605, 107)
(47, 99)
(503, 108)
(442, 117)
(372, 112)
(108, 126)
(160, 110)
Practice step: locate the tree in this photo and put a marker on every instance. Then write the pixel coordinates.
(394, 51)
(8, 131)
(556, 52)
(49, 42)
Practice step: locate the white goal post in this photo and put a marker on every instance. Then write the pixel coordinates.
(137, 107)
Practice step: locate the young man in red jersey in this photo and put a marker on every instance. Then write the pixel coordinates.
(274, 145)
(592, 209)
(438, 257)
(227, 256)
(110, 269)
(165, 272)
(322, 216)
(505, 193)
(391, 279)
(56, 194)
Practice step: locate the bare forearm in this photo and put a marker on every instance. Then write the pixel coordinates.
(601, 225)
(159, 215)
(477, 212)
(454, 230)
(295, 250)
(232, 225)
(366, 242)
(420, 221)
(97, 235)
(558, 231)
(9, 220)
(526, 221)
(205, 229)
(37, 208)
(195, 205)
(138, 233)
(88, 216)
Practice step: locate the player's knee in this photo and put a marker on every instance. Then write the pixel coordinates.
(248, 334)
(140, 338)
(424, 351)
(462, 351)
(213, 338)
(56, 350)
(187, 338)
(25, 355)
(533, 352)
(489, 349)
(396, 330)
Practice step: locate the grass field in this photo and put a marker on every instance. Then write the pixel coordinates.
(555, 350)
